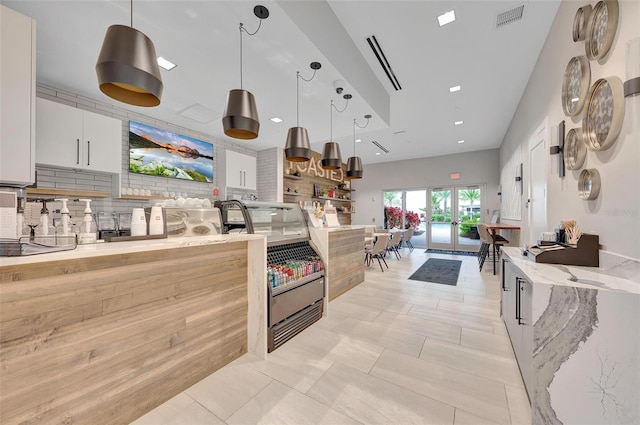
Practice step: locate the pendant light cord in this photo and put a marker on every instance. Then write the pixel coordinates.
(368, 117)
(131, 13)
(298, 77)
(354, 137)
(297, 97)
(243, 29)
(343, 109)
(331, 121)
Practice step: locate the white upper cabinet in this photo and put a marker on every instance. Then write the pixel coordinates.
(241, 170)
(75, 138)
(17, 98)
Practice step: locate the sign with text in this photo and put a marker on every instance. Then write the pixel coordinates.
(314, 168)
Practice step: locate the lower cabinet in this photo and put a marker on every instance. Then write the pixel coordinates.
(517, 313)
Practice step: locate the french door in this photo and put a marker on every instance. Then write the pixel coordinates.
(453, 217)
(405, 209)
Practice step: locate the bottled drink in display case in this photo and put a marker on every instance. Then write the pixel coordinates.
(283, 274)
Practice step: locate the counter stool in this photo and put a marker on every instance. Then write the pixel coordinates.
(487, 241)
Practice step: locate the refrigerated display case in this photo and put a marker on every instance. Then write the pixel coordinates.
(295, 272)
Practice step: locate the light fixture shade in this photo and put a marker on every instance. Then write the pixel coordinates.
(331, 158)
(240, 119)
(127, 67)
(298, 148)
(354, 168)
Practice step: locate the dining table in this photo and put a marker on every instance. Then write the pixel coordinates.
(493, 228)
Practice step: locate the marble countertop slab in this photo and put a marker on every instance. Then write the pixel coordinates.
(112, 248)
(576, 276)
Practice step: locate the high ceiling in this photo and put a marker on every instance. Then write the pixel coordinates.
(492, 65)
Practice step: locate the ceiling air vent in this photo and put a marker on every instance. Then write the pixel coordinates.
(384, 63)
(509, 16)
(382, 148)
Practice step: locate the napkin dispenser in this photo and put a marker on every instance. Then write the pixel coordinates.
(585, 253)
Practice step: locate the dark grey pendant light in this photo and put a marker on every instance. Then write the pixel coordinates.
(240, 119)
(127, 66)
(354, 163)
(298, 148)
(331, 158)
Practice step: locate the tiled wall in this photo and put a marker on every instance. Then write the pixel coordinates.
(270, 175)
(83, 180)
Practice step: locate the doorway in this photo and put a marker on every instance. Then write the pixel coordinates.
(405, 209)
(453, 217)
(537, 188)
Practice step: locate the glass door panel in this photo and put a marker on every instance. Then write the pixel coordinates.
(440, 223)
(415, 216)
(468, 214)
(393, 201)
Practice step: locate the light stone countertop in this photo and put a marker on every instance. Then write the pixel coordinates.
(575, 276)
(112, 248)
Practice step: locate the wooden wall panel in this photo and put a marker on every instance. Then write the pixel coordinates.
(311, 174)
(346, 261)
(106, 339)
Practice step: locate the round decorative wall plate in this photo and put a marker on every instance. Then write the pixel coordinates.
(575, 151)
(575, 85)
(601, 29)
(580, 22)
(589, 184)
(603, 115)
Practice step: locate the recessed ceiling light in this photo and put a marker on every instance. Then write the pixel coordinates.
(358, 140)
(454, 89)
(166, 64)
(276, 119)
(447, 18)
(377, 153)
(460, 141)
(458, 122)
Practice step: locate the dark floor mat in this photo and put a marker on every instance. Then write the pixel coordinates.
(438, 270)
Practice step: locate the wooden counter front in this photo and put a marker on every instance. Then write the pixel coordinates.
(342, 251)
(105, 339)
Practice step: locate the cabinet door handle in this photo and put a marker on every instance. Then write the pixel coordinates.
(244, 174)
(518, 300)
(88, 152)
(77, 151)
(240, 178)
(504, 267)
(520, 322)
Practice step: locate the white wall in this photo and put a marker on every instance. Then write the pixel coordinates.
(474, 167)
(615, 215)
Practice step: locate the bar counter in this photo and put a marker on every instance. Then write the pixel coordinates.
(106, 332)
(342, 251)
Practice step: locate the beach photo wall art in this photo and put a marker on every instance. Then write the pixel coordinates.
(157, 152)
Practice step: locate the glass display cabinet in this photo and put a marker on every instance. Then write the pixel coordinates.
(295, 272)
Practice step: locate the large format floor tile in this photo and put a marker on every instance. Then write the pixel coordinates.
(477, 362)
(180, 410)
(374, 401)
(390, 351)
(343, 349)
(396, 339)
(282, 405)
(425, 327)
(477, 395)
(225, 391)
(293, 366)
